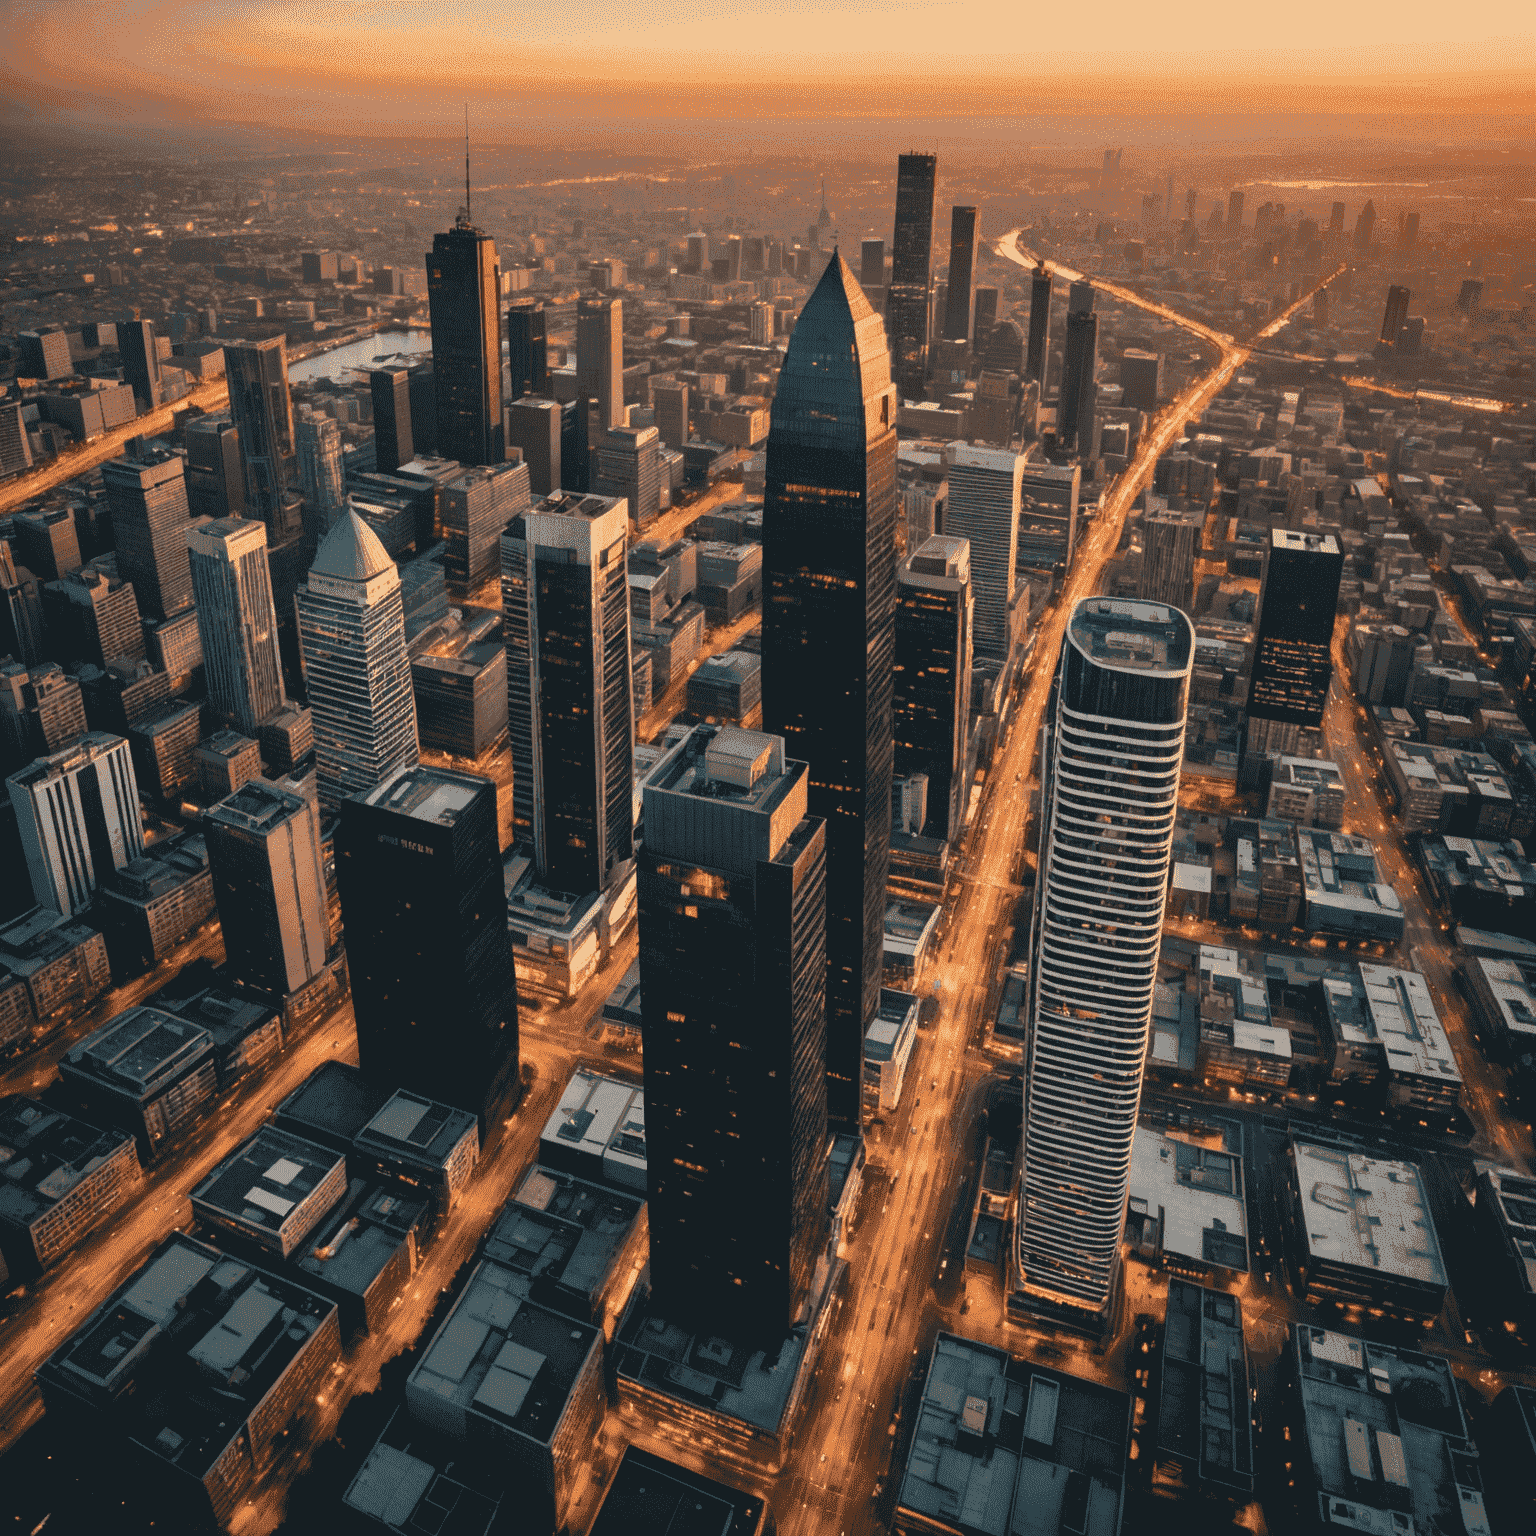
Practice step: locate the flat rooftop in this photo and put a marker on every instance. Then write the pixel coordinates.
(726, 763)
(419, 1481)
(79, 754)
(257, 806)
(141, 1050)
(1515, 1201)
(266, 1180)
(426, 794)
(1205, 1412)
(1132, 636)
(1367, 1212)
(1294, 539)
(1197, 1189)
(652, 1497)
(1005, 1448)
(418, 1128)
(44, 1154)
(331, 1105)
(602, 1119)
(503, 1357)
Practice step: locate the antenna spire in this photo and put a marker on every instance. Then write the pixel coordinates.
(466, 163)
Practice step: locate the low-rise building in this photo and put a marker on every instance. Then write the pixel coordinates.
(62, 961)
(888, 1045)
(153, 902)
(199, 1368)
(1344, 893)
(1308, 791)
(1239, 1041)
(1186, 1209)
(558, 938)
(597, 1131)
(1376, 1438)
(416, 1480)
(362, 1254)
(1361, 1234)
(59, 1180)
(1003, 1447)
(652, 1497)
(247, 1031)
(265, 1198)
(224, 762)
(1482, 884)
(331, 1105)
(146, 1071)
(1504, 1214)
(622, 1010)
(508, 1376)
(728, 689)
(1387, 1036)
(909, 929)
(578, 1246)
(428, 1147)
(1204, 1436)
(1503, 991)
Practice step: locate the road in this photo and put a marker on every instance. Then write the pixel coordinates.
(866, 1363)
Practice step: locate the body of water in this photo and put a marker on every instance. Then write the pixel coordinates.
(358, 354)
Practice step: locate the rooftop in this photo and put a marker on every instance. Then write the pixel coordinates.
(257, 806)
(351, 551)
(418, 1481)
(44, 1154)
(1005, 1448)
(1367, 1212)
(652, 1497)
(417, 1128)
(502, 1357)
(1131, 636)
(426, 794)
(267, 1181)
(1196, 1191)
(1514, 1197)
(140, 1051)
(1205, 1412)
(78, 754)
(331, 1105)
(600, 1122)
(1307, 543)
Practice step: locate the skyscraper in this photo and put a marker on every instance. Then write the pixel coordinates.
(262, 411)
(141, 362)
(430, 960)
(534, 429)
(1395, 315)
(986, 318)
(1364, 224)
(215, 470)
(960, 306)
(464, 293)
(352, 629)
(394, 442)
(1037, 358)
(1109, 796)
(671, 406)
(528, 349)
(733, 903)
(907, 301)
(78, 814)
(236, 620)
(629, 465)
(268, 879)
(318, 444)
(1293, 655)
(148, 502)
(565, 615)
(1171, 541)
(983, 507)
(829, 565)
(872, 263)
(931, 702)
(1076, 406)
(21, 610)
(600, 358)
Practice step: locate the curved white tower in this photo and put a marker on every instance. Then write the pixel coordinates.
(1114, 747)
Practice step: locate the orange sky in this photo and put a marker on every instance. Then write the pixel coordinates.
(393, 63)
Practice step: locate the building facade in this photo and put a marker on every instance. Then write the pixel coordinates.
(909, 296)
(236, 620)
(464, 293)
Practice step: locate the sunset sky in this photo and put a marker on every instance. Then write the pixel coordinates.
(390, 65)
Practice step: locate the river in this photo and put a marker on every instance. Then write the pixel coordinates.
(358, 354)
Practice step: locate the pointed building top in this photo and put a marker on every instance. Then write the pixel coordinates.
(351, 551)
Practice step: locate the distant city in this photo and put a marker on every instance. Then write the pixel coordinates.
(826, 847)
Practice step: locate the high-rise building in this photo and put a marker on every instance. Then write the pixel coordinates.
(464, 293)
(317, 441)
(262, 411)
(983, 507)
(148, 502)
(1037, 358)
(1293, 655)
(236, 620)
(269, 881)
(1470, 296)
(600, 358)
(15, 449)
(1396, 314)
(476, 507)
(22, 628)
(1076, 408)
(93, 616)
(418, 865)
(215, 470)
(671, 405)
(1141, 378)
(760, 324)
(1407, 231)
(528, 349)
(1109, 797)
(565, 616)
(534, 429)
(733, 904)
(829, 569)
(986, 317)
(1080, 297)
(629, 465)
(423, 392)
(394, 443)
(960, 305)
(908, 302)
(872, 264)
(931, 690)
(1336, 219)
(78, 814)
(352, 629)
(1364, 224)
(1171, 540)
(141, 362)
(44, 354)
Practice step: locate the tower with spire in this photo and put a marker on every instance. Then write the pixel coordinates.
(829, 593)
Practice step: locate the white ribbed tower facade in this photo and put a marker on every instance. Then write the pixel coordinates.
(1114, 748)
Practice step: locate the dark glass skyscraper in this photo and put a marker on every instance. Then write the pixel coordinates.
(1395, 316)
(1293, 657)
(907, 300)
(829, 580)
(141, 362)
(565, 616)
(393, 441)
(1038, 357)
(529, 351)
(600, 358)
(960, 305)
(148, 500)
(262, 410)
(419, 871)
(1076, 406)
(215, 474)
(733, 906)
(464, 292)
